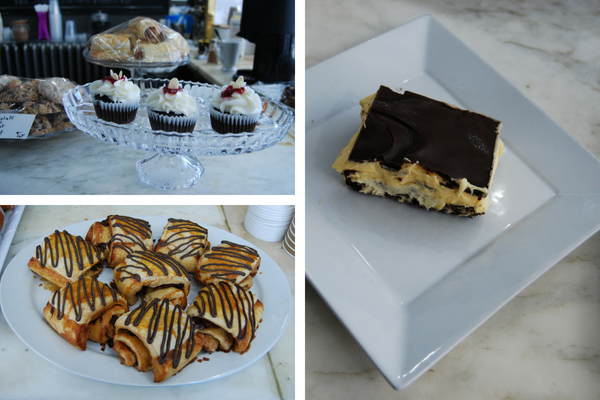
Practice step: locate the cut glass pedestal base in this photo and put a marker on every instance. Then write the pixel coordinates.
(170, 172)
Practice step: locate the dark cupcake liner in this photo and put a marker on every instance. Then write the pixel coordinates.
(160, 121)
(115, 112)
(223, 122)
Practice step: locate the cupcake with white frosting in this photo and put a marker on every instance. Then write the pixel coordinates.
(115, 98)
(237, 108)
(171, 108)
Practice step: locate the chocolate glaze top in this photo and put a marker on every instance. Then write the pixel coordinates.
(441, 138)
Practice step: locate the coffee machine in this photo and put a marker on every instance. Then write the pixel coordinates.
(270, 25)
(203, 12)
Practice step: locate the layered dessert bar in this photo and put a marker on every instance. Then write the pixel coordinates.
(424, 152)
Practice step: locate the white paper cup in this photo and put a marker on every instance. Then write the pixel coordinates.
(268, 223)
(289, 241)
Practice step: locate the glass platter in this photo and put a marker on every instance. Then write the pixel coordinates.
(138, 69)
(172, 162)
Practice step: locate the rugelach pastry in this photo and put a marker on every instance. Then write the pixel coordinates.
(424, 152)
(153, 275)
(185, 241)
(231, 311)
(230, 262)
(117, 236)
(63, 258)
(85, 310)
(157, 336)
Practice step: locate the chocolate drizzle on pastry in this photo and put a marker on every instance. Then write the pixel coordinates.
(143, 260)
(185, 246)
(412, 128)
(236, 303)
(173, 322)
(136, 231)
(72, 249)
(234, 260)
(97, 289)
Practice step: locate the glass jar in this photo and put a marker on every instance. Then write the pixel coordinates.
(212, 52)
(20, 30)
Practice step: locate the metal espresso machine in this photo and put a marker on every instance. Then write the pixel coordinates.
(203, 12)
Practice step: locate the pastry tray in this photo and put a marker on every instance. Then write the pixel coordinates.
(22, 299)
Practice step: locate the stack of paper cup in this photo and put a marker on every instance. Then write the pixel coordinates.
(289, 241)
(268, 223)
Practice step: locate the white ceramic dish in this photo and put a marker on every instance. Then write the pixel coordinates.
(22, 301)
(425, 280)
(11, 222)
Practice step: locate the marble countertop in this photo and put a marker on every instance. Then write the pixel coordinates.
(76, 163)
(544, 343)
(213, 72)
(25, 375)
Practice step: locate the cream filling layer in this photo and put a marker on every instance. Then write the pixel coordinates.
(412, 179)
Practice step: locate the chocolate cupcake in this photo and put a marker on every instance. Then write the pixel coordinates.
(236, 110)
(172, 109)
(115, 98)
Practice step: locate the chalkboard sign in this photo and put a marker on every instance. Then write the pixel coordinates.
(86, 7)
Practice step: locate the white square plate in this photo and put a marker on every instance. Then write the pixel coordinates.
(424, 280)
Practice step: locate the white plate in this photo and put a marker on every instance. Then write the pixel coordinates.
(22, 301)
(424, 280)
(11, 222)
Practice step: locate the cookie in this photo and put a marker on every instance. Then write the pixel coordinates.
(41, 125)
(7, 80)
(40, 107)
(53, 89)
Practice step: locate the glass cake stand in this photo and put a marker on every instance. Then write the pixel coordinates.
(172, 162)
